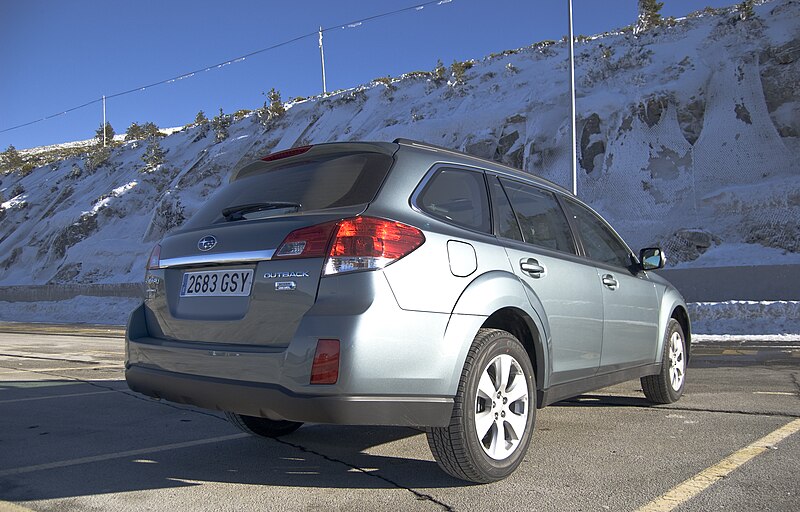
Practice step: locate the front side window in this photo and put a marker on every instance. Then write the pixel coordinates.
(540, 217)
(457, 196)
(599, 240)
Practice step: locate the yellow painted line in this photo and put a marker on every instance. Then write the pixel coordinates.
(709, 476)
(7, 506)
(15, 400)
(739, 352)
(117, 455)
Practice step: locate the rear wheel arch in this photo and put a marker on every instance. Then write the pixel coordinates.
(522, 326)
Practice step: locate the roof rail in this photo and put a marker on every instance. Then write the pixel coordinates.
(412, 142)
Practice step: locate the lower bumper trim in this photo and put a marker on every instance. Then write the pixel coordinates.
(276, 402)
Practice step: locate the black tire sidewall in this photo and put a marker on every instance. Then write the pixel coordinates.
(502, 343)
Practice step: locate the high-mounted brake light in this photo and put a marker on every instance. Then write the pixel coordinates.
(154, 263)
(286, 153)
(358, 243)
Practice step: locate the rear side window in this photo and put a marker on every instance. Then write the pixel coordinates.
(505, 222)
(599, 241)
(330, 181)
(457, 196)
(540, 217)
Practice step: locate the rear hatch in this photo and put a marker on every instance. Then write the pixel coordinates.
(220, 280)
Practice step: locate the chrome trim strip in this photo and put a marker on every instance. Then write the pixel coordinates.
(226, 257)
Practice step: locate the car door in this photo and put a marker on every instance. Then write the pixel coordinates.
(533, 228)
(630, 331)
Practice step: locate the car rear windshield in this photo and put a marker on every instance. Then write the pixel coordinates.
(329, 181)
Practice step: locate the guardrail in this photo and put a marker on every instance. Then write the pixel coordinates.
(54, 292)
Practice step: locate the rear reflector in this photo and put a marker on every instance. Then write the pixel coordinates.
(325, 369)
(286, 153)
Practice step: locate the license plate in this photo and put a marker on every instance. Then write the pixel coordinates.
(217, 283)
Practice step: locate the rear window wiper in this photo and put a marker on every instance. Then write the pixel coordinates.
(238, 212)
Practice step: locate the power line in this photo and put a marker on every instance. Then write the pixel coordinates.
(190, 74)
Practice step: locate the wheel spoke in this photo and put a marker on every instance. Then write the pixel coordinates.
(484, 422)
(518, 390)
(503, 371)
(486, 387)
(516, 425)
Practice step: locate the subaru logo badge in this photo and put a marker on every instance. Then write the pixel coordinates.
(207, 243)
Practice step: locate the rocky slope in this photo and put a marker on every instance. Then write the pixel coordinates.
(688, 136)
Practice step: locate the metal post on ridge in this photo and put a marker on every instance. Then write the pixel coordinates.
(104, 120)
(322, 58)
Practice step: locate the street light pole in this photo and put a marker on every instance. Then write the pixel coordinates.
(574, 147)
(104, 120)
(322, 58)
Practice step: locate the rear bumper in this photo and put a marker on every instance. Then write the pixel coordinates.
(273, 401)
(395, 368)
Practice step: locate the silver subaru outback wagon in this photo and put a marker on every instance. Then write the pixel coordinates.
(401, 284)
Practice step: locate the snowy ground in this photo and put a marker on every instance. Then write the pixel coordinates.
(711, 321)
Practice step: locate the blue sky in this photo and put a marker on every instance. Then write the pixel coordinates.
(56, 55)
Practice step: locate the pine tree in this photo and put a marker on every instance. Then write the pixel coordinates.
(746, 10)
(134, 132)
(153, 155)
(150, 129)
(109, 134)
(276, 108)
(200, 118)
(439, 72)
(649, 15)
(11, 158)
(220, 123)
(459, 70)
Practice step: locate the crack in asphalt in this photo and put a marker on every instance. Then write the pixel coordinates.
(418, 495)
(43, 358)
(796, 383)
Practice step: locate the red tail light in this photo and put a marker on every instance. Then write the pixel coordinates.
(364, 243)
(154, 263)
(286, 153)
(310, 242)
(358, 243)
(325, 368)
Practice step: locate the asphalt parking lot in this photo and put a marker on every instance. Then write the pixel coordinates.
(73, 437)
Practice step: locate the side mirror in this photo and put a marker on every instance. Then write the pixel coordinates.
(652, 258)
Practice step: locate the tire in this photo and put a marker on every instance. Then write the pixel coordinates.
(488, 436)
(667, 387)
(262, 427)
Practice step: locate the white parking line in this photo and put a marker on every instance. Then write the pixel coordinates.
(709, 476)
(15, 400)
(117, 455)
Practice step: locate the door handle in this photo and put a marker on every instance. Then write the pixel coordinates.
(610, 282)
(532, 267)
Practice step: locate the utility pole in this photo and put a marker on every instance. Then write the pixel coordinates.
(574, 147)
(322, 57)
(104, 120)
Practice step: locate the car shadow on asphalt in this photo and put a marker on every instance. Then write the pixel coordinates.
(64, 439)
(604, 401)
